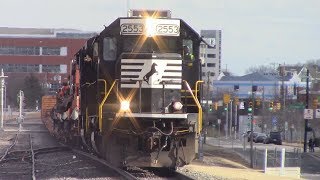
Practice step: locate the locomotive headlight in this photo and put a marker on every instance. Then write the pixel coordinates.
(177, 106)
(150, 29)
(125, 105)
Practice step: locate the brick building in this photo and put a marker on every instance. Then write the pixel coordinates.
(46, 53)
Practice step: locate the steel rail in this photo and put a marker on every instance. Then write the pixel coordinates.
(33, 159)
(123, 173)
(10, 147)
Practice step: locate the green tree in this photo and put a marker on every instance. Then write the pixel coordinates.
(32, 91)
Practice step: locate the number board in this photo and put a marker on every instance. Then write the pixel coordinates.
(160, 27)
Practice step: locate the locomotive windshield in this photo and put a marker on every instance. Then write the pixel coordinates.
(150, 45)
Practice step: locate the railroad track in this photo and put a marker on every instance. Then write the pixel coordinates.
(25, 159)
(26, 155)
(135, 173)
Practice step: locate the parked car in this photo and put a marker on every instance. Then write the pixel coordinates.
(254, 135)
(260, 138)
(274, 137)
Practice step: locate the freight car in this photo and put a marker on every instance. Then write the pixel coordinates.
(133, 92)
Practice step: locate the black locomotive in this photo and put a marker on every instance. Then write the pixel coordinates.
(134, 91)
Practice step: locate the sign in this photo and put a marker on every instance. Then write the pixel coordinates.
(241, 105)
(308, 114)
(157, 27)
(226, 98)
(317, 113)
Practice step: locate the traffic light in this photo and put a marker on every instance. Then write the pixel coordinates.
(254, 88)
(210, 108)
(278, 105)
(250, 107)
(315, 103)
(271, 106)
(258, 102)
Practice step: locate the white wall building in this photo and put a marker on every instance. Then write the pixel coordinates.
(211, 56)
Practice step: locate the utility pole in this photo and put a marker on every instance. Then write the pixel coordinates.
(2, 88)
(306, 120)
(231, 120)
(253, 90)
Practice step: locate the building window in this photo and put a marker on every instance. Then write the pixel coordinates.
(203, 74)
(32, 68)
(19, 51)
(203, 46)
(211, 64)
(211, 55)
(204, 65)
(51, 51)
(212, 74)
(51, 68)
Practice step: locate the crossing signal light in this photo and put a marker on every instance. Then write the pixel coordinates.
(278, 106)
(210, 108)
(250, 107)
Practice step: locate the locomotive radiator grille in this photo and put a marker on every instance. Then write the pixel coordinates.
(152, 73)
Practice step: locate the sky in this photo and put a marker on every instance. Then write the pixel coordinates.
(254, 32)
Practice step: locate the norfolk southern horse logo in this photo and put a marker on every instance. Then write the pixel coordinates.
(150, 73)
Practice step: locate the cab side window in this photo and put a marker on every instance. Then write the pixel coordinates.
(187, 50)
(109, 49)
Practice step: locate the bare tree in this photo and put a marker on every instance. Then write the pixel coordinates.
(261, 69)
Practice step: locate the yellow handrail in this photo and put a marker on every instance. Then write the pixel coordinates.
(198, 82)
(102, 103)
(199, 107)
(105, 85)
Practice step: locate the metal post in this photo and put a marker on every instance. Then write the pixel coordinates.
(2, 88)
(219, 122)
(207, 109)
(227, 123)
(235, 121)
(200, 149)
(283, 157)
(265, 160)
(306, 120)
(251, 134)
(231, 121)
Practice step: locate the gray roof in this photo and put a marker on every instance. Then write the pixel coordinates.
(250, 77)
